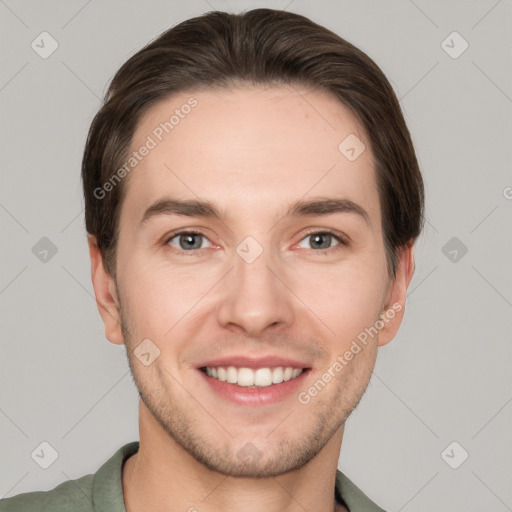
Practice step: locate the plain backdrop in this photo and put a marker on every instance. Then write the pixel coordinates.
(440, 390)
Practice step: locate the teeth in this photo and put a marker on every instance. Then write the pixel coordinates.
(246, 377)
(261, 377)
(277, 375)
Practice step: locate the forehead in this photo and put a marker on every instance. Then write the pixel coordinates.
(250, 148)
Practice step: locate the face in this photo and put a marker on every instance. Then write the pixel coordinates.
(249, 244)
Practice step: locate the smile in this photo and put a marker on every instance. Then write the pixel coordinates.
(249, 377)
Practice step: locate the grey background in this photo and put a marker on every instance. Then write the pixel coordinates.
(446, 376)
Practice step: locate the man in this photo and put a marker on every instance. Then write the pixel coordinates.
(252, 199)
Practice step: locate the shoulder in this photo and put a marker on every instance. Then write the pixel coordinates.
(98, 491)
(69, 496)
(353, 497)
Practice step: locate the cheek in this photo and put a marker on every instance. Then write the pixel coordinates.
(160, 298)
(347, 300)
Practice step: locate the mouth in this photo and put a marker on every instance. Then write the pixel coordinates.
(253, 378)
(254, 385)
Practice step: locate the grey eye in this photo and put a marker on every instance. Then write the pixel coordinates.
(187, 241)
(318, 241)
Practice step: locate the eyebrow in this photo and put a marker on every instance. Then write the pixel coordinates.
(300, 208)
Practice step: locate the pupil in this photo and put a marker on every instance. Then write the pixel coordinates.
(189, 242)
(326, 237)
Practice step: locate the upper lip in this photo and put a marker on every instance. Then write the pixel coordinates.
(244, 361)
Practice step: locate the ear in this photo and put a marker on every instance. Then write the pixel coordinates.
(394, 306)
(106, 293)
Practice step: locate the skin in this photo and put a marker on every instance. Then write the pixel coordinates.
(252, 151)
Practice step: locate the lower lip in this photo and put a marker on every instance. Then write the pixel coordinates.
(255, 396)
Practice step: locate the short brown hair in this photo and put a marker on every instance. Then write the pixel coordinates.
(261, 46)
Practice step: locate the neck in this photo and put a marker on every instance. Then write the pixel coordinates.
(164, 476)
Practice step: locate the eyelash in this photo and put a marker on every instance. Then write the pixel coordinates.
(342, 241)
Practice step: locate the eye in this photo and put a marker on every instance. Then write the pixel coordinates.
(190, 242)
(322, 241)
(187, 241)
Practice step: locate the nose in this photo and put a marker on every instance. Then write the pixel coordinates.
(255, 296)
